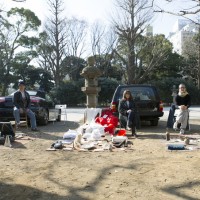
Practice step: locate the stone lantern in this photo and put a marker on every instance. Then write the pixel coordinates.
(91, 89)
(174, 93)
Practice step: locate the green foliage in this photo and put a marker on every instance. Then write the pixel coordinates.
(73, 66)
(69, 93)
(27, 16)
(165, 86)
(15, 34)
(170, 67)
(108, 67)
(108, 86)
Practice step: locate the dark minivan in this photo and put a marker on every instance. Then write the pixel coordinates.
(147, 100)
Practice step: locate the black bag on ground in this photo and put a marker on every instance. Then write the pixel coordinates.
(6, 129)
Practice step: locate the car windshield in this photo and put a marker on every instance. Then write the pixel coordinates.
(140, 93)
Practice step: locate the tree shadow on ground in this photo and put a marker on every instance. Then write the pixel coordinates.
(175, 190)
(16, 191)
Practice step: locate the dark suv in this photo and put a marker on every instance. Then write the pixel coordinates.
(147, 100)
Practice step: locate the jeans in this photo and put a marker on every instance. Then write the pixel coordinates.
(171, 118)
(131, 118)
(30, 114)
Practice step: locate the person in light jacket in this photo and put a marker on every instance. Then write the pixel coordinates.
(183, 102)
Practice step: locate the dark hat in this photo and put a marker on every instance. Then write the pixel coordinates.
(21, 82)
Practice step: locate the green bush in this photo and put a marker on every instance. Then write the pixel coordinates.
(165, 86)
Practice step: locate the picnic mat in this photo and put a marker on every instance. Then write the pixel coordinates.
(101, 145)
(183, 142)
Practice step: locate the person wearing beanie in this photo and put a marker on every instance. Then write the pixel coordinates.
(22, 103)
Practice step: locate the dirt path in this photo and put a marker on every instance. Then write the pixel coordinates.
(149, 171)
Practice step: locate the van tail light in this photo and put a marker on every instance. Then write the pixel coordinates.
(33, 100)
(114, 107)
(161, 106)
(2, 99)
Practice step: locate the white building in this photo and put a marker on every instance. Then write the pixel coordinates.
(182, 31)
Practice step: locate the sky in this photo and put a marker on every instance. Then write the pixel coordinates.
(92, 10)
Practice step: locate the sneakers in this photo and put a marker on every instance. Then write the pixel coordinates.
(34, 129)
(128, 128)
(17, 125)
(182, 131)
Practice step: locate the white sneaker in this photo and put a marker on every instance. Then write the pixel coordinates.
(175, 125)
(182, 131)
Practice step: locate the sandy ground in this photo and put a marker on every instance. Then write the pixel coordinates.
(149, 171)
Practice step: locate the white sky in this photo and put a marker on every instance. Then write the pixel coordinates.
(91, 10)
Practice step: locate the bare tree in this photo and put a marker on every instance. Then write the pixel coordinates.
(77, 31)
(133, 17)
(62, 38)
(102, 43)
(191, 51)
(190, 9)
(54, 40)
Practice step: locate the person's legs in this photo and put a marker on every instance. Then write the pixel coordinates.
(184, 122)
(131, 122)
(182, 119)
(16, 113)
(170, 120)
(131, 119)
(178, 119)
(32, 119)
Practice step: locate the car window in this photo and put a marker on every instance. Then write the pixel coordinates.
(139, 93)
(32, 93)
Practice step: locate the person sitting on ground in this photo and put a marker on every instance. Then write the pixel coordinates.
(183, 102)
(22, 103)
(127, 108)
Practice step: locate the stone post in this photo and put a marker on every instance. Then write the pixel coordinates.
(174, 93)
(91, 89)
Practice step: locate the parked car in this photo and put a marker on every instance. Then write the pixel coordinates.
(40, 106)
(147, 99)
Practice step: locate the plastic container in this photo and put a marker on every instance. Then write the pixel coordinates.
(121, 132)
(176, 147)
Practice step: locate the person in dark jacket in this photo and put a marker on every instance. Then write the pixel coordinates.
(183, 102)
(127, 108)
(22, 103)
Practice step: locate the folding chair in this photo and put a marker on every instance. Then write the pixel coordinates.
(63, 112)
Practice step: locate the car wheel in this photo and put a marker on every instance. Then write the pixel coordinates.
(45, 118)
(154, 122)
